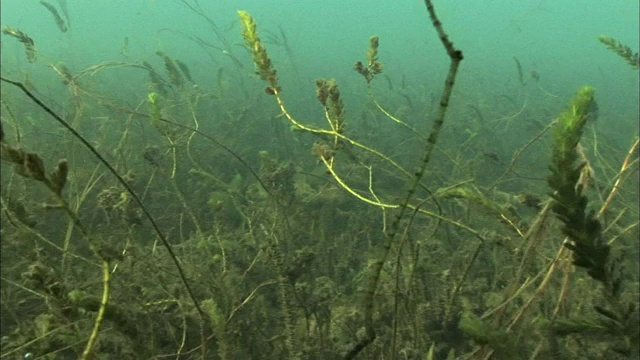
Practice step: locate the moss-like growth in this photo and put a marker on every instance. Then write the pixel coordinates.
(584, 231)
(585, 234)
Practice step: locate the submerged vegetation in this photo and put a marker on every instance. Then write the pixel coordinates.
(622, 50)
(212, 221)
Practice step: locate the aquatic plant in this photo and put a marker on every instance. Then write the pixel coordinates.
(219, 220)
(584, 232)
(29, 44)
(622, 50)
(62, 25)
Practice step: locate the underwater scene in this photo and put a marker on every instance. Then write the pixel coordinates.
(202, 179)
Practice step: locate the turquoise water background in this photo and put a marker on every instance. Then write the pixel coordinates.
(556, 40)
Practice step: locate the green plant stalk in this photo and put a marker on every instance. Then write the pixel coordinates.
(456, 57)
(581, 226)
(80, 198)
(585, 234)
(106, 278)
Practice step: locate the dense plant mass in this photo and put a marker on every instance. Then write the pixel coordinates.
(211, 221)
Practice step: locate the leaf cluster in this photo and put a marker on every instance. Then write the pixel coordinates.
(373, 66)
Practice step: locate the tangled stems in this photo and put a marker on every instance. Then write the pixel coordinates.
(129, 189)
(456, 57)
(265, 69)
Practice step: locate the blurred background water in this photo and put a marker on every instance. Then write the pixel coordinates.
(555, 40)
